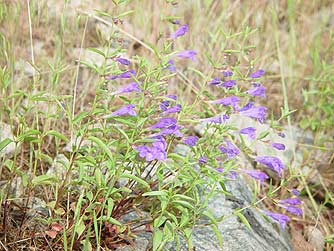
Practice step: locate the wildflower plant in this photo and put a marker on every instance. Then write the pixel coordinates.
(124, 157)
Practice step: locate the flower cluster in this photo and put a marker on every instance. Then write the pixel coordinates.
(164, 126)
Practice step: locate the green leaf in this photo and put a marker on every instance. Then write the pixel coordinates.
(157, 239)
(28, 135)
(5, 143)
(159, 221)
(135, 178)
(243, 219)
(125, 13)
(101, 144)
(79, 117)
(110, 207)
(57, 135)
(114, 221)
(184, 204)
(182, 197)
(156, 193)
(263, 135)
(97, 51)
(44, 180)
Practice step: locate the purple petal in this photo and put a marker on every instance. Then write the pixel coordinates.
(173, 109)
(123, 61)
(227, 73)
(230, 149)
(125, 110)
(173, 129)
(151, 153)
(256, 112)
(258, 90)
(261, 176)
(281, 134)
(215, 81)
(294, 210)
(295, 192)
(202, 160)
(291, 201)
(232, 100)
(171, 66)
(180, 31)
(187, 54)
(164, 122)
(250, 131)
(132, 87)
(278, 146)
(282, 219)
(229, 83)
(165, 104)
(246, 107)
(257, 74)
(191, 140)
(217, 119)
(272, 162)
(126, 74)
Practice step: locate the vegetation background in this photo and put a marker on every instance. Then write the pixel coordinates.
(41, 42)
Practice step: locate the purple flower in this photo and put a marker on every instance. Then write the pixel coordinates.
(257, 90)
(227, 73)
(187, 54)
(151, 153)
(173, 109)
(257, 74)
(217, 119)
(126, 74)
(256, 112)
(246, 107)
(272, 162)
(172, 129)
(295, 192)
(232, 100)
(278, 146)
(250, 131)
(282, 219)
(230, 149)
(291, 201)
(160, 142)
(281, 134)
(220, 169)
(294, 210)
(261, 176)
(229, 83)
(232, 175)
(215, 81)
(171, 66)
(165, 104)
(156, 151)
(180, 31)
(132, 87)
(191, 140)
(202, 160)
(123, 61)
(125, 110)
(164, 122)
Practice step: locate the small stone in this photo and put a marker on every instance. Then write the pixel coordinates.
(316, 238)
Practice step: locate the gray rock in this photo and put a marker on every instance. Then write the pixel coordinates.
(264, 235)
(6, 132)
(58, 168)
